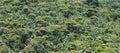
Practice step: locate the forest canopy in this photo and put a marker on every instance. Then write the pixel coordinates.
(59, 26)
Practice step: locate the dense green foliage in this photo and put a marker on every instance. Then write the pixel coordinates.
(59, 26)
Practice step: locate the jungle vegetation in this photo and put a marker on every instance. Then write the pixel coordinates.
(59, 26)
